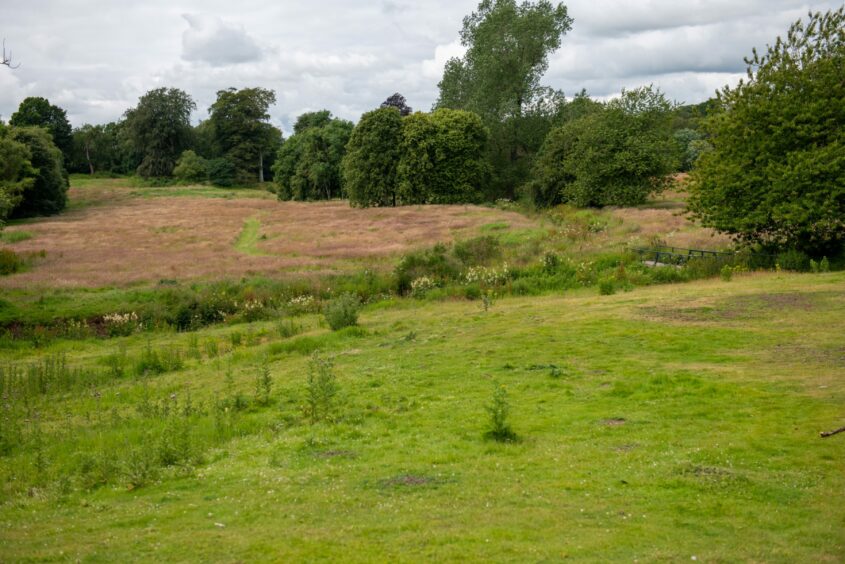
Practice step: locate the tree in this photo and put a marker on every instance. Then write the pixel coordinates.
(16, 172)
(776, 174)
(499, 79)
(47, 193)
(308, 164)
(372, 155)
(443, 158)
(241, 131)
(398, 101)
(617, 155)
(36, 111)
(159, 129)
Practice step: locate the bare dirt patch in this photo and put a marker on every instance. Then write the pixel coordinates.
(133, 240)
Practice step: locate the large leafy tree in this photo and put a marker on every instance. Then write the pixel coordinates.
(16, 172)
(508, 45)
(308, 164)
(443, 158)
(776, 174)
(47, 193)
(616, 154)
(159, 129)
(36, 111)
(372, 156)
(242, 134)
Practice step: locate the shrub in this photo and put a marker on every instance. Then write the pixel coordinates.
(221, 172)
(48, 193)
(342, 311)
(793, 259)
(321, 390)
(191, 167)
(10, 262)
(479, 250)
(498, 410)
(607, 286)
(726, 273)
(433, 263)
(372, 156)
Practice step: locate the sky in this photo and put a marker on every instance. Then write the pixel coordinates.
(95, 58)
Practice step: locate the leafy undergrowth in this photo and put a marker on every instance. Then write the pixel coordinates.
(666, 423)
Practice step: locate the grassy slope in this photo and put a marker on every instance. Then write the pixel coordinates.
(723, 388)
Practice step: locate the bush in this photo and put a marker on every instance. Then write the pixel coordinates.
(221, 172)
(342, 311)
(191, 168)
(727, 273)
(10, 262)
(794, 259)
(607, 286)
(48, 193)
(499, 429)
(433, 263)
(372, 156)
(479, 250)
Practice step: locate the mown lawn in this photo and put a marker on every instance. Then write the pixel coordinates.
(668, 423)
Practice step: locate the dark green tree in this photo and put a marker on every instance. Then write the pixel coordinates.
(308, 163)
(16, 172)
(776, 174)
(47, 194)
(508, 45)
(617, 155)
(242, 134)
(39, 112)
(191, 167)
(372, 155)
(159, 129)
(443, 158)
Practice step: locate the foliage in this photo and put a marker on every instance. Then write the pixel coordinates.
(102, 149)
(442, 158)
(242, 134)
(498, 78)
(221, 172)
(16, 172)
(498, 410)
(398, 101)
(47, 194)
(159, 129)
(691, 144)
(191, 167)
(370, 165)
(342, 311)
(321, 390)
(776, 174)
(10, 262)
(39, 112)
(308, 164)
(618, 155)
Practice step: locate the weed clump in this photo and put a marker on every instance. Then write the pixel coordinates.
(342, 311)
(321, 390)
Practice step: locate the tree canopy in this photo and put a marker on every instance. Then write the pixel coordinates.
(159, 129)
(369, 166)
(613, 154)
(398, 101)
(47, 193)
(16, 172)
(443, 158)
(241, 132)
(36, 111)
(308, 164)
(508, 45)
(776, 174)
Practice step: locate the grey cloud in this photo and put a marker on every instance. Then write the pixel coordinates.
(210, 40)
(96, 57)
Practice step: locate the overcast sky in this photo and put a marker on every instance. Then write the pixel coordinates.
(96, 57)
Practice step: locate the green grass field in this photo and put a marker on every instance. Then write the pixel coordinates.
(668, 423)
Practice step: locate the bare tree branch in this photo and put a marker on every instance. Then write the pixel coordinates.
(8, 60)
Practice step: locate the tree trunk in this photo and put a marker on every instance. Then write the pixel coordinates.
(88, 158)
(261, 166)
